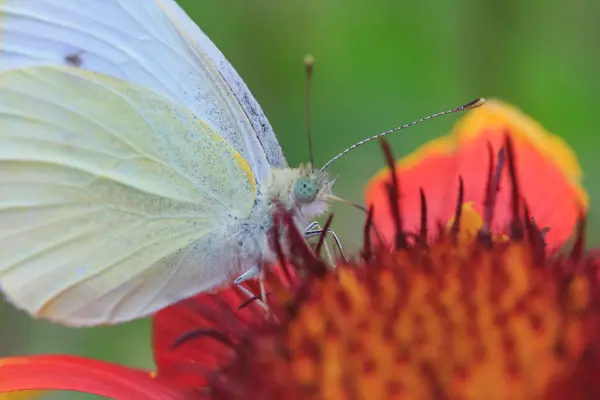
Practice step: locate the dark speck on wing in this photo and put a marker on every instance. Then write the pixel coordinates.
(74, 59)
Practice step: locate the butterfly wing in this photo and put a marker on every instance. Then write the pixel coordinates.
(205, 47)
(115, 200)
(150, 42)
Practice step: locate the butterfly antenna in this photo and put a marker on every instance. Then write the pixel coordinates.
(469, 106)
(309, 62)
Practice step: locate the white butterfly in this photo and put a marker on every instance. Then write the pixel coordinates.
(136, 168)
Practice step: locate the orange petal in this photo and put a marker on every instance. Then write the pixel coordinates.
(471, 223)
(63, 372)
(25, 395)
(547, 171)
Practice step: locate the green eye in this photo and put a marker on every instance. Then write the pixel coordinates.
(305, 189)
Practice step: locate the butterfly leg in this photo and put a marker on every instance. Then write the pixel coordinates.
(310, 232)
(313, 225)
(255, 271)
(252, 273)
(263, 291)
(314, 230)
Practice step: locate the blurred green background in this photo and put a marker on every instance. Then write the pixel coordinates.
(380, 63)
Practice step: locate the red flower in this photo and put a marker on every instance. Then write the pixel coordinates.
(466, 315)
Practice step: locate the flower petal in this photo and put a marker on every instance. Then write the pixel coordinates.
(211, 315)
(24, 395)
(194, 338)
(64, 372)
(432, 169)
(546, 168)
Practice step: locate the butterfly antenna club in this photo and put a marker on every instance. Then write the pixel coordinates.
(309, 62)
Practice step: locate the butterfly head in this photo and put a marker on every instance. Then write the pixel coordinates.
(303, 189)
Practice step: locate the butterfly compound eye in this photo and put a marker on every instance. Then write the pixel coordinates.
(305, 189)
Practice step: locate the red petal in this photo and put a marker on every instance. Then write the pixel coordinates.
(63, 372)
(432, 169)
(188, 364)
(547, 172)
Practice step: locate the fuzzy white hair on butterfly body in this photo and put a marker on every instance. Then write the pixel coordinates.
(302, 190)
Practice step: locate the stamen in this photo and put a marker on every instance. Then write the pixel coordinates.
(305, 258)
(499, 166)
(377, 233)
(542, 231)
(367, 251)
(516, 226)
(458, 212)
(491, 194)
(394, 196)
(198, 333)
(275, 240)
(225, 316)
(250, 301)
(484, 235)
(441, 229)
(535, 238)
(423, 231)
(493, 187)
(323, 234)
(578, 247)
